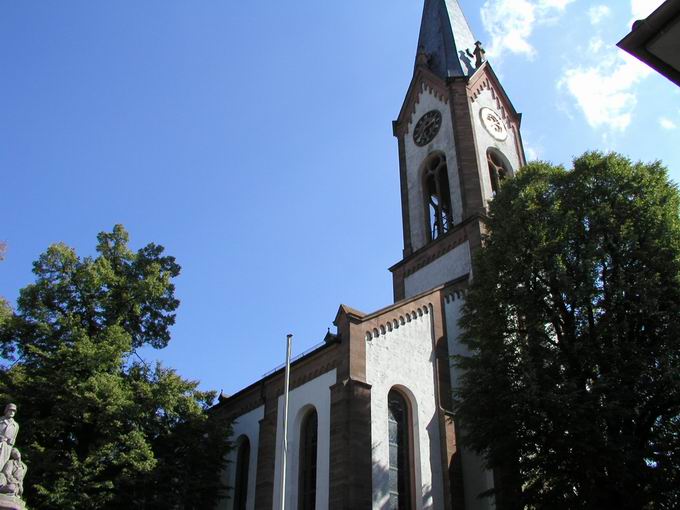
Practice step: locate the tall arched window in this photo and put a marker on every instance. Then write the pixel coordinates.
(437, 196)
(307, 473)
(241, 482)
(499, 169)
(398, 423)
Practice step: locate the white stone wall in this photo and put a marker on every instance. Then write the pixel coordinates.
(247, 425)
(476, 479)
(315, 393)
(416, 156)
(450, 266)
(403, 357)
(508, 147)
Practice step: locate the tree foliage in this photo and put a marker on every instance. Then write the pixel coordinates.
(99, 428)
(571, 389)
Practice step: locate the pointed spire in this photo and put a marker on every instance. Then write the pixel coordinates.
(445, 38)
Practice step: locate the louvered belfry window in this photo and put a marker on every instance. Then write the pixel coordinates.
(498, 170)
(438, 196)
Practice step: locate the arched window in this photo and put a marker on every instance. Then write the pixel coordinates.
(499, 169)
(437, 196)
(241, 482)
(307, 473)
(398, 423)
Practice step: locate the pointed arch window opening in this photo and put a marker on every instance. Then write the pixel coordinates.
(399, 438)
(308, 453)
(438, 196)
(498, 170)
(242, 468)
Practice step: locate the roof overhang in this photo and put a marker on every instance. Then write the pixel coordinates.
(656, 40)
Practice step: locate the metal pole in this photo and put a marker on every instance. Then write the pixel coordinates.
(285, 422)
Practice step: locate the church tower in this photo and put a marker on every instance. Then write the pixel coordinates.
(459, 137)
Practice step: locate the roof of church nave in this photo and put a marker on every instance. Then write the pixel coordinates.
(445, 39)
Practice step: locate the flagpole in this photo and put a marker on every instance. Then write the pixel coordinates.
(289, 339)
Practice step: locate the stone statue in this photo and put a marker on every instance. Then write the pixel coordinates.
(12, 469)
(12, 475)
(478, 54)
(8, 433)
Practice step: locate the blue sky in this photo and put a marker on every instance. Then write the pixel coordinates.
(253, 140)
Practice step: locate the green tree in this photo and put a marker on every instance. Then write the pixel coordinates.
(571, 389)
(99, 428)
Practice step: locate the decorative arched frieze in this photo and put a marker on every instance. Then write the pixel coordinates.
(435, 91)
(398, 321)
(425, 88)
(454, 295)
(423, 83)
(486, 84)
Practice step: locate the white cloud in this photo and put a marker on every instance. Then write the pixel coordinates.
(643, 8)
(530, 152)
(604, 86)
(597, 13)
(511, 22)
(606, 92)
(667, 123)
(595, 45)
(557, 4)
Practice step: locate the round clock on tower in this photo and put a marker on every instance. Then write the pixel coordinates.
(427, 127)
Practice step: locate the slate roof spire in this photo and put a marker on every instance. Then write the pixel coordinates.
(444, 38)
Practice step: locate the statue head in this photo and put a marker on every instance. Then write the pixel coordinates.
(15, 454)
(10, 410)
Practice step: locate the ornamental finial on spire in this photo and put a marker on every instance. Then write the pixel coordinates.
(444, 37)
(479, 54)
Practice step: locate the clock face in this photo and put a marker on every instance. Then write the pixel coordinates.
(427, 128)
(493, 124)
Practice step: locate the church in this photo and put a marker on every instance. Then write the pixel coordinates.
(370, 424)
